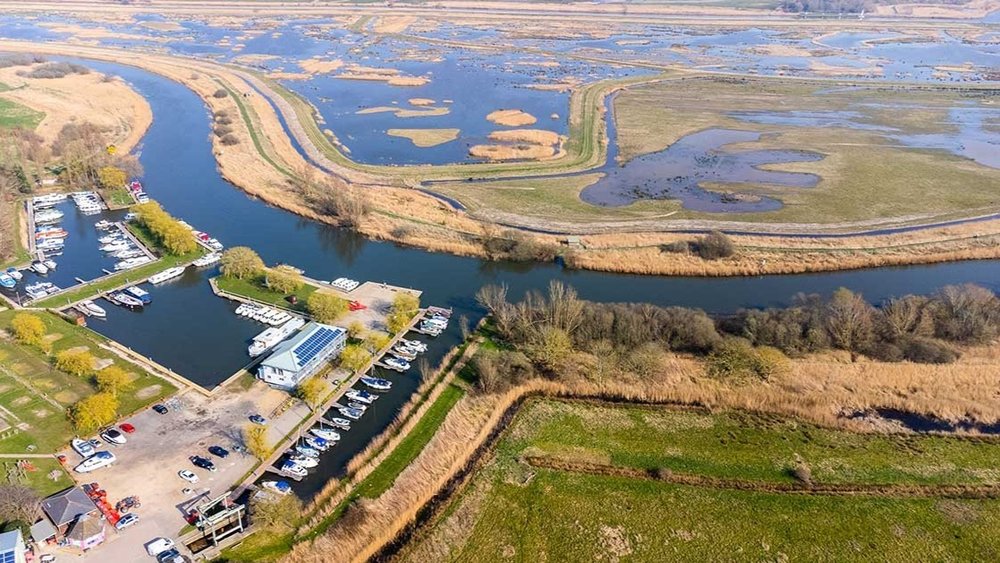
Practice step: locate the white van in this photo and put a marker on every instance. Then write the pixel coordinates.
(159, 545)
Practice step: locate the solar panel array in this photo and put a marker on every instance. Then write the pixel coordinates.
(313, 345)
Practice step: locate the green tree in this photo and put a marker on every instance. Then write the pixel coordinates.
(111, 177)
(241, 262)
(78, 363)
(113, 380)
(404, 307)
(550, 346)
(29, 329)
(326, 307)
(276, 513)
(356, 329)
(311, 391)
(94, 412)
(354, 357)
(377, 340)
(255, 438)
(283, 279)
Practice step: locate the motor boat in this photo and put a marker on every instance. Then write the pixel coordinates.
(280, 487)
(140, 294)
(304, 461)
(40, 268)
(361, 396)
(397, 364)
(377, 383)
(306, 450)
(325, 433)
(351, 413)
(82, 447)
(417, 345)
(293, 469)
(95, 462)
(341, 423)
(94, 309)
(14, 273)
(125, 300)
(6, 281)
(317, 443)
(50, 264)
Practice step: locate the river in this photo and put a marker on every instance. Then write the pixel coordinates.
(191, 331)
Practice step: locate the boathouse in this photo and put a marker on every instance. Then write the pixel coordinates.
(299, 357)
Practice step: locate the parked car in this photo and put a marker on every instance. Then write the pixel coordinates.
(126, 521)
(113, 436)
(126, 428)
(188, 475)
(159, 545)
(203, 463)
(218, 451)
(258, 419)
(161, 409)
(170, 556)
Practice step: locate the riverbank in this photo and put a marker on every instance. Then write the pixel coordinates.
(265, 163)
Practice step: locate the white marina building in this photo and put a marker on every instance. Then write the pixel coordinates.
(299, 357)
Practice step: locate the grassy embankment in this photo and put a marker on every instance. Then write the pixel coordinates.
(35, 396)
(14, 115)
(517, 506)
(114, 281)
(256, 290)
(911, 181)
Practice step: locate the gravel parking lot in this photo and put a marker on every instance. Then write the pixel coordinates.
(147, 465)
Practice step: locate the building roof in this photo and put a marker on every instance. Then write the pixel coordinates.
(9, 541)
(65, 506)
(85, 529)
(42, 530)
(296, 352)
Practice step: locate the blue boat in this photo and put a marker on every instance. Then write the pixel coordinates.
(140, 294)
(7, 282)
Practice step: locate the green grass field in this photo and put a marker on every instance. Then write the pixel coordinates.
(512, 510)
(14, 115)
(255, 289)
(38, 395)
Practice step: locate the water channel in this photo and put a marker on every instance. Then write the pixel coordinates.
(195, 333)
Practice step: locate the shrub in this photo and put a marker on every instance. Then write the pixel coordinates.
(928, 351)
(715, 245)
(94, 412)
(734, 358)
(54, 70)
(802, 473)
(28, 329)
(676, 247)
(326, 307)
(283, 279)
(241, 262)
(229, 140)
(770, 362)
(75, 363)
(222, 130)
(220, 93)
(967, 313)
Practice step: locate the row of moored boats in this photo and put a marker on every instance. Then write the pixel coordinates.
(263, 314)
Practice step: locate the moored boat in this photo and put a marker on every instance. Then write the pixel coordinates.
(280, 487)
(168, 274)
(325, 433)
(292, 468)
(377, 383)
(361, 396)
(304, 461)
(94, 309)
(6, 281)
(14, 273)
(306, 450)
(140, 294)
(40, 268)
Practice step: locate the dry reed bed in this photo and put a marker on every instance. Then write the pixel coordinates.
(817, 389)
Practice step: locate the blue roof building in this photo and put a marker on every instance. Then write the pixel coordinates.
(299, 357)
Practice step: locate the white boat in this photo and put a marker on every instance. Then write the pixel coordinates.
(306, 450)
(377, 383)
(115, 246)
(14, 273)
(361, 396)
(326, 434)
(414, 345)
(96, 461)
(341, 423)
(403, 353)
(280, 487)
(304, 461)
(82, 447)
(397, 364)
(168, 274)
(125, 300)
(345, 284)
(107, 239)
(140, 294)
(103, 225)
(50, 264)
(40, 268)
(48, 215)
(48, 199)
(132, 262)
(351, 413)
(317, 443)
(6, 281)
(207, 260)
(293, 469)
(272, 336)
(94, 309)
(49, 244)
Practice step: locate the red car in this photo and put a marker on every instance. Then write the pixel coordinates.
(355, 306)
(127, 428)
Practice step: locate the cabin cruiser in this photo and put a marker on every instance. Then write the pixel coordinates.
(125, 300)
(397, 364)
(50, 264)
(403, 354)
(40, 268)
(48, 199)
(272, 336)
(207, 260)
(140, 294)
(351, 413)
(306, 450)
(82, 447)
(50, 232)
(356, 405)
(317, 443)
(168, 274)
(293, 469)
(96, 461)
(14, 273)
(341, 423)
(50, 244)
(132, 262)
(361, 396)
(304, 461)
(6, 281)
(324, 433)
(377, 383)
(115, 246)
(280, 487)
(103, 225)
(94, 309)
(418, 346)
(108, 239)
(48, 216)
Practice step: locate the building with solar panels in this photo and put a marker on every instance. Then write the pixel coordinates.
(302, 355)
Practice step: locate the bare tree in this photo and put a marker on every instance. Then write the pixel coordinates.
(849, 320)
(18, 502)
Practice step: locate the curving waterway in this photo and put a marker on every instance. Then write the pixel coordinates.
(195, 333)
